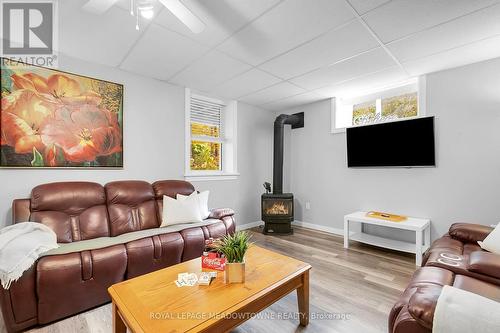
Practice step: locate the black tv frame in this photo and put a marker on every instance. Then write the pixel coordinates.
(396, 166)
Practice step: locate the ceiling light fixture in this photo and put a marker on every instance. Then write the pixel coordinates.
(145, 9)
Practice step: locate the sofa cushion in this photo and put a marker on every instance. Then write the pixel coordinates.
(194, 243)
(476, 286)
(152, 253)
(70, 283)
(131, 206)
(469, 232)
(216, 230)
(72, 220)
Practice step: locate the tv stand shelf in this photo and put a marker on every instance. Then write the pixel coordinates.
(421, 227)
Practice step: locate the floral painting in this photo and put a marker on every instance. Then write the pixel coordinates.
(55, 119)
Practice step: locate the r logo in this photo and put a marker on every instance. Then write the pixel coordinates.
(27, 28)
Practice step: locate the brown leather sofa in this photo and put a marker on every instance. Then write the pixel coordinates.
(58, 286)
(471, 269)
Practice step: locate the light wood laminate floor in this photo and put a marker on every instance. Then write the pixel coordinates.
(351, 290)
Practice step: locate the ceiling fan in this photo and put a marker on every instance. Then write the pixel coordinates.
(145, 8)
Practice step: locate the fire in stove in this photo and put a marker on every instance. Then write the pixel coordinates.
(278, 208)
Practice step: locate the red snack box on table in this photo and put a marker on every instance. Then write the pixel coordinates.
(212, 260)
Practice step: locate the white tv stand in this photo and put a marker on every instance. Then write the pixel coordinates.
(421, 227)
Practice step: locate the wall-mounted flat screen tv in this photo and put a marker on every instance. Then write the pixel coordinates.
(405, 143)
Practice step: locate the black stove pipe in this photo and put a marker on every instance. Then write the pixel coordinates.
(297, 121)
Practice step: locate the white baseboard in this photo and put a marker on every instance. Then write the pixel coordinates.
(248, 225)
(330, 230)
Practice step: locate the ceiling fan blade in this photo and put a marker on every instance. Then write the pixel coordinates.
(98, 6)
(184, 15)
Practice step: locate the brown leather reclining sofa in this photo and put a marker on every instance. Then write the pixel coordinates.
(58, 286)
(470, 268)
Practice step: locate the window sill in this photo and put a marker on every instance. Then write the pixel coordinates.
(210, 177)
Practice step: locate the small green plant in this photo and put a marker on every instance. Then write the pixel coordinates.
(234, 247)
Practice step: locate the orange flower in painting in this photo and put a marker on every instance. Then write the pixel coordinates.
(51, 156)
(23, 114)
(83, 132)
(57, 88)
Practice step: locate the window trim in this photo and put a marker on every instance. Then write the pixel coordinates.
(229, 142)
(422, 102)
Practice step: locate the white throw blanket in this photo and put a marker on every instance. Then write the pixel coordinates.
(21, 245)
(460, 311)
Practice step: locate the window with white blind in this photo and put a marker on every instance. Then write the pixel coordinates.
(210, 137)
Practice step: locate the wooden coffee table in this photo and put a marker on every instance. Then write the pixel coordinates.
(153, 303)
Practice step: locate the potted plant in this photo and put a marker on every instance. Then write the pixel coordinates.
(234, 247)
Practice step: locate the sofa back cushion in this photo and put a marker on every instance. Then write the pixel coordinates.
(170, 188)
(131, 206)
(74, 210)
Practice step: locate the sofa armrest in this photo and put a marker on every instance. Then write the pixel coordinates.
(219, 213)
(422, 304)
(468, 232)
(486, 263)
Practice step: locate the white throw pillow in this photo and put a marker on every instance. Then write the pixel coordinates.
(492, 241)
(202, 201)
(180, 211)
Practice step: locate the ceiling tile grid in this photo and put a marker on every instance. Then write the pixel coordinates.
(172, 52)
(287, 25)
(245, 84)
(368, 62)
(273, 93)
(210, 70)
(281, 53)
(346, 41)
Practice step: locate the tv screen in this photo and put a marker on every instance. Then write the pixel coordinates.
(406, 143)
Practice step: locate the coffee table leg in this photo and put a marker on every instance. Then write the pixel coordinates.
(303, 299)
(118, 324)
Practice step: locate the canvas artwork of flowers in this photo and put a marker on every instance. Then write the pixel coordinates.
(56, 119)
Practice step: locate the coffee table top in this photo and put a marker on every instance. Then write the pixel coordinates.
(153, 303)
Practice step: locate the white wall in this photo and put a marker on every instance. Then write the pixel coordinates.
(465, 185)
(154, 146)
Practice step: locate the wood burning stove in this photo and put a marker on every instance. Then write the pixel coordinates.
(277, 207)
(277, 213)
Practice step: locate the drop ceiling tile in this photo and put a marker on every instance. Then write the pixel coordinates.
(287, 25)
(103, 39)
(338, 44)
(294, 101)
(362, 64)
(400, 18)
(479, 51)
(212, 69)
(161, 53)
(467, 29)
(363, 6)
(221, 17)
(365, 84)
(245, 84)
(273, 93)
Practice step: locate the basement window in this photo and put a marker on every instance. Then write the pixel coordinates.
(406, 100)
(210, 138)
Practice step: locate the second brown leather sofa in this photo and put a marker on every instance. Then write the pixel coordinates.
(58, 286)
(475, 271)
